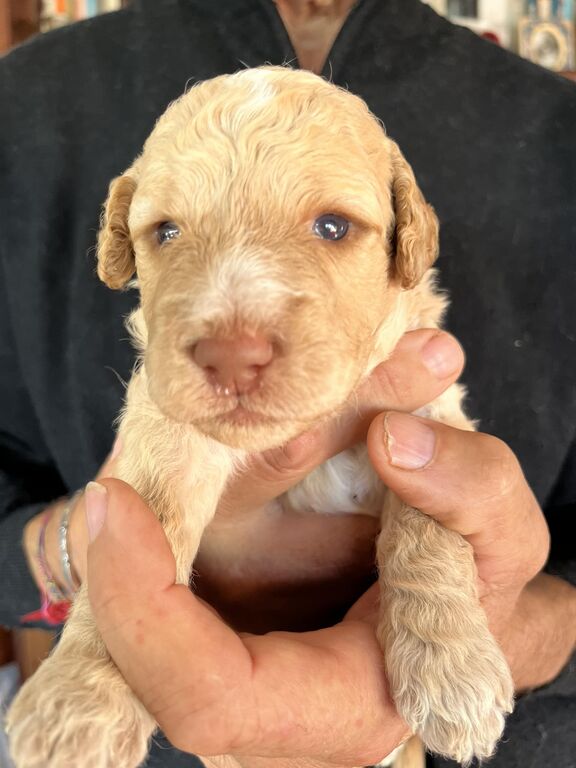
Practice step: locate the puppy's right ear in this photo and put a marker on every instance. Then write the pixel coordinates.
(415, 238)
(116, 262)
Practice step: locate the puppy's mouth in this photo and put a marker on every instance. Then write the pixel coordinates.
(238, 414)
(241, 416)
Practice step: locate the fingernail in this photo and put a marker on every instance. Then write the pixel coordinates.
(409, 442)
(442, 355)
(96, 497)
(116, 448)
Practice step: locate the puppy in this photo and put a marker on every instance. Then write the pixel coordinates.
(282, 248)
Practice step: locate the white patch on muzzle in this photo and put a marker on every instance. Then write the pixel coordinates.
(242, 285)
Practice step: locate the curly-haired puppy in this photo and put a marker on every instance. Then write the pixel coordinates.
(282, 248)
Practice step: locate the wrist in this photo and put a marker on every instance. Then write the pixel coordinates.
(52, 554)
(31, 538)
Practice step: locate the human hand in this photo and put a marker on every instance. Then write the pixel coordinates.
(302, 571)
(473, 484)
(319, 698)
(78, 530)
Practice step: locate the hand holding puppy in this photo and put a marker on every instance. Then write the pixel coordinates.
(303, 571)
(322, 695)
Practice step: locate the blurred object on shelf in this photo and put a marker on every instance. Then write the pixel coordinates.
(539, 30)
(491, 19)
(56, 13)
(22, 19)
(546, 34)
(495, 20)
(438, 5)
(466, 8)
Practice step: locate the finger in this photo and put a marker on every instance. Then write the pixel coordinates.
(469, 482)
(78, 538)
(423, 365)
(211, 691)
(77, 532)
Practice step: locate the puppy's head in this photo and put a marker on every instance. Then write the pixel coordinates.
(272, 226)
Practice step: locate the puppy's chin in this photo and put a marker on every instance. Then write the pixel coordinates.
(250, 432)
(238, 427)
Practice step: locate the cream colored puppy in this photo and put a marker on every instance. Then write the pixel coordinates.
(282, 248)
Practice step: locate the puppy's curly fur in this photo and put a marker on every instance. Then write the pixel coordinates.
(244, 165)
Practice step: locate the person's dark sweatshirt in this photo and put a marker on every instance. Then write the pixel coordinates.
(492, 139)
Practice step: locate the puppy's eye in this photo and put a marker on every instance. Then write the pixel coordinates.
(331, 227)
(167, 231)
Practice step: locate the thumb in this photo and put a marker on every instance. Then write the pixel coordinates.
(468, 481)
(150, 624)
(122, 528)
(450, 474)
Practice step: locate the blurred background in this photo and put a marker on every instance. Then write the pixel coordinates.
(540, 30)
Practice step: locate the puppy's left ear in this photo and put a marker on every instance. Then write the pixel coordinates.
(116, 261)
(415, 239)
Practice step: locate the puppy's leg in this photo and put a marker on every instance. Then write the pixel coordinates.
(77, 710)
(448, 677)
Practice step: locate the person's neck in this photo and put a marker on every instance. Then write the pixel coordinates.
(313, 26)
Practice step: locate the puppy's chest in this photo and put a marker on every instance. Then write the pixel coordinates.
(346, 483)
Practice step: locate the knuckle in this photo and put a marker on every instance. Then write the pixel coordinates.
(295, 457)
(392, 387)
(540, 540)
(501, 473)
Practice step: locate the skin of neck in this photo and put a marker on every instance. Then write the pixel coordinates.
(313, 26)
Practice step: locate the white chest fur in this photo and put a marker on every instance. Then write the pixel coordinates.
(345, 483)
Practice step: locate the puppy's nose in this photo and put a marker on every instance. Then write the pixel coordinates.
(234, 366)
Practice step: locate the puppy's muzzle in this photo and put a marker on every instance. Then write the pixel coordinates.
(234, 366)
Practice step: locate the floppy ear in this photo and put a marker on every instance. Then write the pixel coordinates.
(116, 263)
(415, 239)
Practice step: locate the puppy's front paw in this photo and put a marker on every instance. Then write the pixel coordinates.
(455, 695)
(78, 713)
